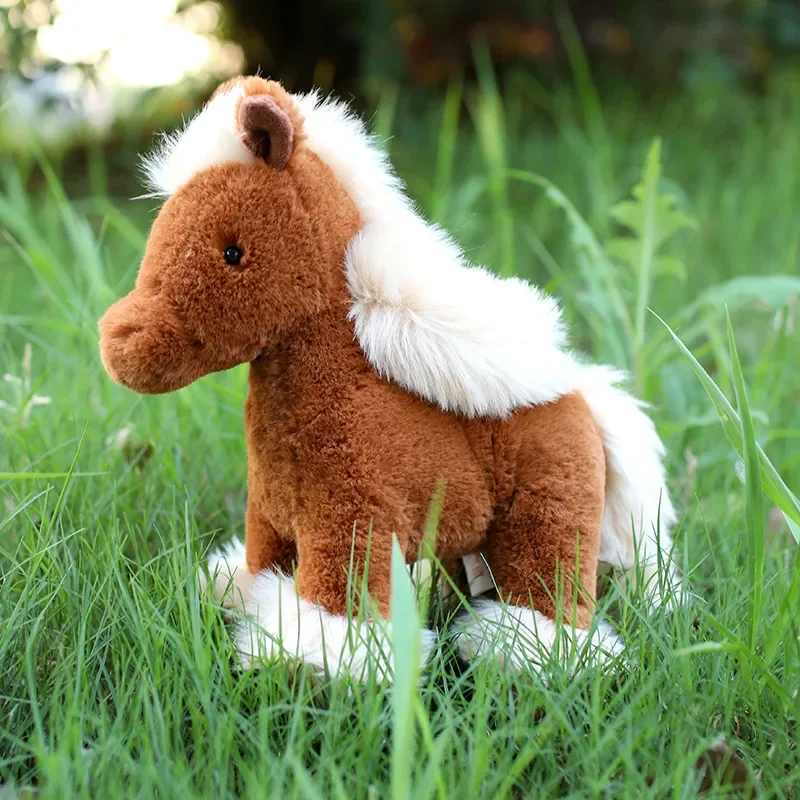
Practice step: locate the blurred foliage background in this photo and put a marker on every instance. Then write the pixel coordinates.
(78, 69)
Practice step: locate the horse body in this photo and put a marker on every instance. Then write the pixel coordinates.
(340, 459)
(376, 377)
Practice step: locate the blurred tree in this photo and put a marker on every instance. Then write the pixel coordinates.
(348, 43)
(58, 96)
(655, 41)
(19, 24)
(306, 42)
(345, 42)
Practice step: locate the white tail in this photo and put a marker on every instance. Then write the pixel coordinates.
(639, 514)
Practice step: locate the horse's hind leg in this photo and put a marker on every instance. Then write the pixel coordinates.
(543, 550)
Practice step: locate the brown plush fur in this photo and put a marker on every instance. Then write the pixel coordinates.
(339, 459)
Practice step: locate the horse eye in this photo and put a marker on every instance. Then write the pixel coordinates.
(233, 255)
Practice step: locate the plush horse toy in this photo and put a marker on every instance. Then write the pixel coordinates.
(381, 364)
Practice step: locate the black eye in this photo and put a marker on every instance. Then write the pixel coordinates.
(233, 255)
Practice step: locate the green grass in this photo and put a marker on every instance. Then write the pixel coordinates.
(116, 678)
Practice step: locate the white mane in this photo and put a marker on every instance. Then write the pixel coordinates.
(208, 140)
(450, 332)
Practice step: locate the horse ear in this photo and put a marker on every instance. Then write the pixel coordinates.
(266, 130)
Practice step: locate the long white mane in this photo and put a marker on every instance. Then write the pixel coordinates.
(453, 333)
(425, 318)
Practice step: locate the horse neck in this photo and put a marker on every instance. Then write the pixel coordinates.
(320, 357)
(313, 364)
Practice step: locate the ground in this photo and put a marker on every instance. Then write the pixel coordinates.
(117, 677)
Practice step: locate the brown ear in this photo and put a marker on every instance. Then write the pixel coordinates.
(266, 129)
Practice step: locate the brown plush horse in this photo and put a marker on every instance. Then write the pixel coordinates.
(380, 365)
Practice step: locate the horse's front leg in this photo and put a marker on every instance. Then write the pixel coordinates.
(321, 617)
(334, 559)
(265, 548)
(234, 567)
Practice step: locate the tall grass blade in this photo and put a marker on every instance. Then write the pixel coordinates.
(771, 481)
(67, 480)
(385, 113)
(428, 548)
(589, 97)
(644, 272)
(406, 651)
(597, 271)
(754, 502)
(446, 150)
(490, 123)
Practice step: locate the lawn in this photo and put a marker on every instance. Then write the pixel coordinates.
(118, 677)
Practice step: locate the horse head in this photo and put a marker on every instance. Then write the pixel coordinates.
(245, 249)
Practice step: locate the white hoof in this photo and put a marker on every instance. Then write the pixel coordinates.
(280, 624)
(521, 639)
(231, 580)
